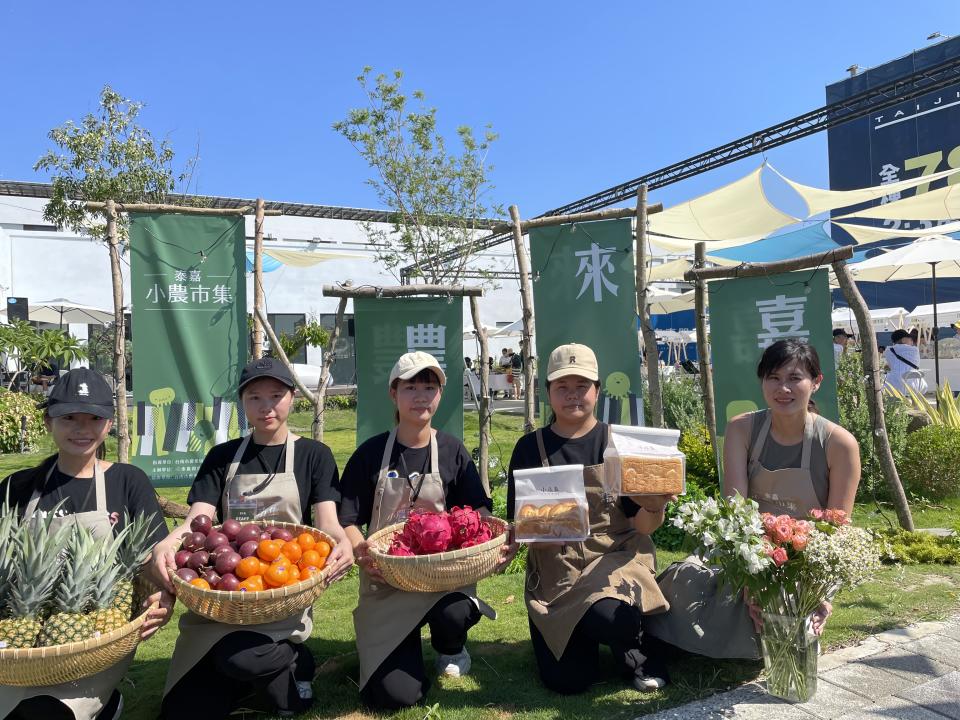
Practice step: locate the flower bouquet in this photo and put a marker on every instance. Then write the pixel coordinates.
(790, 568)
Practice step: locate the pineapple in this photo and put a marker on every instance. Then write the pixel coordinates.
(106, 617)
(36, 570)
(9, 526)
(69, 621)
(134, 551)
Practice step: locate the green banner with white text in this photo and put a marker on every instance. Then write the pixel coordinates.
(584, 291)
(190, 339)
(387, 328)
(749, 314)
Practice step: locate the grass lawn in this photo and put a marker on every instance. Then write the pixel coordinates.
(503, 682)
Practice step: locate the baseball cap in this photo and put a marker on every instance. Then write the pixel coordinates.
(840, 331)
(572, 359)
(81, 390)
(266, 368)
(411, 363)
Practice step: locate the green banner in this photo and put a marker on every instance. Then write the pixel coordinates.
(584, 291)
(749, 314)
(190, 328)
(388, 328)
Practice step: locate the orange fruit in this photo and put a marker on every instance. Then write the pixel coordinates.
(269, 550)
(306, 541)
(308, 572)
(264, 566)
(252, 584)
(294, 574)
(200, 583)
(322, 547)
(277, 575)
(248, 567)
(292, 551)
(309, 557)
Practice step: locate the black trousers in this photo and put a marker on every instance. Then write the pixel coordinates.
(241, 665)
(609, 622)
(49, 708)
(401, 680)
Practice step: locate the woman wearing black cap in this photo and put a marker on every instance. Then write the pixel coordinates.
(98, 495)
(270, 475)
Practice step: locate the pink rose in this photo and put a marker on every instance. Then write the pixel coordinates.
(769, 521)
(779, 556)
(836, 517)
(816, 514)
(799, 541)
(783, 532)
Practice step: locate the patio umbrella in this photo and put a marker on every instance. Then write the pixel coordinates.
(61, 310)
(929, 256)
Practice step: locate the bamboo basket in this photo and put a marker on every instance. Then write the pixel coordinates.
(439, 572)
(256, 608)
(43, 666)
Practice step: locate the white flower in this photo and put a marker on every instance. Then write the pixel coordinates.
(708, 539)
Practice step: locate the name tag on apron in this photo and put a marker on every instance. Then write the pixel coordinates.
(243, 511)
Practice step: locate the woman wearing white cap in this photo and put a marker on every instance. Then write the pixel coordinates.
(581, 595)
(412, 467)
(269, 475)
(82, 488)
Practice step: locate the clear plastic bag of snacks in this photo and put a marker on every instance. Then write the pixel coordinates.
(550, 504)
(644, 461)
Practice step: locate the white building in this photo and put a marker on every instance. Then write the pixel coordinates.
(39, 262)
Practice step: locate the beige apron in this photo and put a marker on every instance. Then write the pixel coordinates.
(706, 618)
(87, 696)
(279, 500)
(614, 562)
(385, 615)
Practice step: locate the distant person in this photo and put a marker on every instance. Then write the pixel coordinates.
(504, 361)
(840, 339)
(468, 363)
(516, 366)
(903, 357)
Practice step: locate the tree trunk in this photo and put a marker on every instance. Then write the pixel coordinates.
(703, 353)
(652, 360)
(328, 360)
(526, 302)
(172, 509)
(258, 279)
(484, 460)
(874, 382)
(119, 337)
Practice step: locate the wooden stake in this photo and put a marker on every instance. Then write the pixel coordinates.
(771, 268)
(484, 409)
(551, 220)
(258, 280)
(652, 364)
(329, 358)
(182, 209)
(874, 382)
(526, 303)
(703, 352)
(394, 291)
(119, 336)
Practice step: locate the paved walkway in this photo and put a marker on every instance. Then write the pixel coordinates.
(908, 674)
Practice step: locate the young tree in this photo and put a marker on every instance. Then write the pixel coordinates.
(107, 158)
(437, 196)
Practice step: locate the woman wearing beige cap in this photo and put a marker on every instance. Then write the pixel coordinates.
(581, 595)
(412, 467)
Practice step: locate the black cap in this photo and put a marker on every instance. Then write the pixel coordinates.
(900, 334)
(840, 331)
(81, 390)
(266, 368)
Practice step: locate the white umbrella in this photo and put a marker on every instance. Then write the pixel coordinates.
(61, 310)
(471, 332)
(927, 257)
(664, 303)
(514, 329)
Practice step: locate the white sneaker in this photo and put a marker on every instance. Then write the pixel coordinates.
(305, 689)
(454, 665)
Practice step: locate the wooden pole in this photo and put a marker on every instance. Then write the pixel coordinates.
(526, 303)
(703, 352)
(329, 357)
(484, 408)
(874, 383)
(282, 356)
(119, 336)
(394, 291)
(551, 220)
(654, 392)
(182, 209)
(771, 268)
(258, 280)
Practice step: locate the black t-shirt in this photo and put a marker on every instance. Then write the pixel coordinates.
(461, 481)
(585, 450)
(313, 466)
(516, 361)
(128, 489)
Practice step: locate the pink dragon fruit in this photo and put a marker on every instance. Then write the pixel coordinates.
(432, 532)
(399, 548)
(465, 523)
(484, 534)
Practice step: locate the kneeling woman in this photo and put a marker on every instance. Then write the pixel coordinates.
(270, 475)
(790, 460)
(412, 467)
(95, 494)
(581, 595)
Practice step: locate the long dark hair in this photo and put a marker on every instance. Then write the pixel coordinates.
(786, 351)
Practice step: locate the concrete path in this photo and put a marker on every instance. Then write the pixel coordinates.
(908, 674)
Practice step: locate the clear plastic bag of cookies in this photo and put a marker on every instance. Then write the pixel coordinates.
(644, 461)
(550, 504)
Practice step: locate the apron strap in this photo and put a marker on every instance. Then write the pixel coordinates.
(807, 442)
(434, 452)
(235, 463)
(100, 486)
(761, 438)
(35, 497)
(288, 465)
(387, 451)
(543, 451)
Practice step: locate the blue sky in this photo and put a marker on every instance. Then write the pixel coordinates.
(584, 96)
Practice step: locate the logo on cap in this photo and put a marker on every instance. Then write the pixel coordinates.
(83, 390)
(265, 364)
(573, 359)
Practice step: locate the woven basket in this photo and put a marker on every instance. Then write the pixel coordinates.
(441, 571)
(39, 667)
(256, 608)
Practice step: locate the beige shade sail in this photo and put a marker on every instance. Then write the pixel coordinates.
(666, 303)
(674, 269)
(868, 233)
(678, 245)
(739, 210)
(819, 200)
(306, 258)
(941, 204)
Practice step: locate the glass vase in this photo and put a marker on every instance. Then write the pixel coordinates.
(790, 652)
